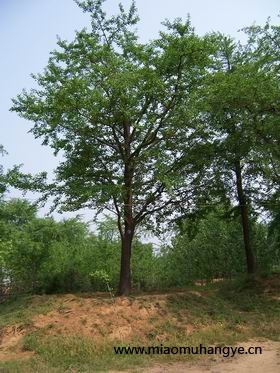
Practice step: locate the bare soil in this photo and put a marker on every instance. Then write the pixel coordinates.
(94, 317)
(10, 338)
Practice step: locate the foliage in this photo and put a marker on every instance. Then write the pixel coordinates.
(42, 255)
(214, 250)
(108, 103)
(101, 280)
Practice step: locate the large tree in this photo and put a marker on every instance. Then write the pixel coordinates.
(114, 108)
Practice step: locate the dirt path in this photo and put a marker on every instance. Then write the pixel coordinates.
(267, 362)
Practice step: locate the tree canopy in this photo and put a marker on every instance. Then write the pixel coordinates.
(115, 108)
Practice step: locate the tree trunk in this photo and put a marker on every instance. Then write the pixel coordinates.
(129, 226)
(243, 206)
(125, 273)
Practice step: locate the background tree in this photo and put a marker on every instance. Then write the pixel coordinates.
(264, 47)
(41, 255)
(111, 105)
(238, 101)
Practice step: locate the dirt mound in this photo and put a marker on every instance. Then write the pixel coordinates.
(155, 318)
(118, 319)
(95, 317)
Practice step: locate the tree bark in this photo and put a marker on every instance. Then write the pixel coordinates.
(243, 206)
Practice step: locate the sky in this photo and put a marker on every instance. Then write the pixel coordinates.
(29, 30)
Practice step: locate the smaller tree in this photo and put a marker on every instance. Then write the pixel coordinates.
(237, 101)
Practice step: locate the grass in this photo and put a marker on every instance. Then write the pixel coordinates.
(69, 354)
(21, 309)
(222, 314)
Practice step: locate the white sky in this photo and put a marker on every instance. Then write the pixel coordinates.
(28, 30)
